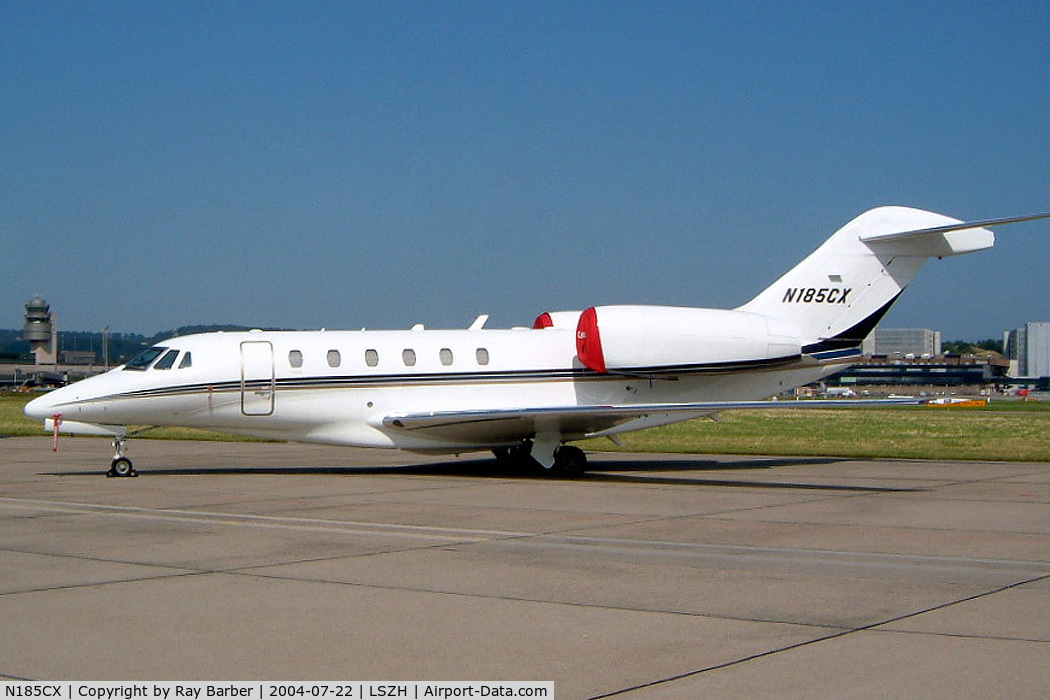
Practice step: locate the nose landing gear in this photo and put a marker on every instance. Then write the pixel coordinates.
(121, 465)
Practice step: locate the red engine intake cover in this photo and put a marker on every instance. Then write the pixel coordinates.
(589, 341)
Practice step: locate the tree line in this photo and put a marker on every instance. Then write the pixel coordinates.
(966, 347)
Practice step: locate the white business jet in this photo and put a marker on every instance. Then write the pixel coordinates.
(525, 393)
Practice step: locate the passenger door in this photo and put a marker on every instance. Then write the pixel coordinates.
(257, 378)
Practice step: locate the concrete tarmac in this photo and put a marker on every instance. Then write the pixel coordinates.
(651, 577)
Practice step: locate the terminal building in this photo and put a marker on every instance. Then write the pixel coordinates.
(911, 359)
(969, 373)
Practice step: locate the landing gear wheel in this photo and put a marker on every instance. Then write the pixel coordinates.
(569, 462)
(121, 466)
(516, 457)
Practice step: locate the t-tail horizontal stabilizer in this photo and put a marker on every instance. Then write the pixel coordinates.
(961, 226)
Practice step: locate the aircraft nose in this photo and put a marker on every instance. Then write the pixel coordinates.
(41, 407)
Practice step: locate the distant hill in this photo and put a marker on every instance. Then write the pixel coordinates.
(988, 346)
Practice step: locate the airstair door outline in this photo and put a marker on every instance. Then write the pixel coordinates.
(257, 378)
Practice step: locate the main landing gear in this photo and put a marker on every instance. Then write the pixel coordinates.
(569, 461)
(121, 465)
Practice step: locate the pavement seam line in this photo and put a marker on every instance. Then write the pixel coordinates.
(837, 635)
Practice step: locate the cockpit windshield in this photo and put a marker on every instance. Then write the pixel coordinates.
(145, 359)
(168, 361)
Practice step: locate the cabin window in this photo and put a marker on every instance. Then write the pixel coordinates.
(187, 361)
(334, 359)
(483, 356)
(409, 356)
(168, 361)
(446, 356)
(295, 358)
(371, 357)
(141, 361)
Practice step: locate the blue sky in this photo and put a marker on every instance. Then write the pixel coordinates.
(381, 164)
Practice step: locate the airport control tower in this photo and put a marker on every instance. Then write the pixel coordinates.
(41, 332)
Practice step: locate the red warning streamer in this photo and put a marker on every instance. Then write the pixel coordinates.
(56, 420)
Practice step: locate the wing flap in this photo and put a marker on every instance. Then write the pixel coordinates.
(507, 425)
(496, 426)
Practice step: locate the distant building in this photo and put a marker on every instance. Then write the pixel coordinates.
(1028, 349)
(41, 333)
(77, 357)
(920, 342)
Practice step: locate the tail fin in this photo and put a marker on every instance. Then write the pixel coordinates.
(841, 291)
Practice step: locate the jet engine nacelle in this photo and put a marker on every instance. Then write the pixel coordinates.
(637, 338)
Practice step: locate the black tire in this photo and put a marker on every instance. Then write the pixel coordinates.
(569, 462)
(122, 466)
(517, 458)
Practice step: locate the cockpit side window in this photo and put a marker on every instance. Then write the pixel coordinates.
(187, 361)
(168, 361)
(142, 361)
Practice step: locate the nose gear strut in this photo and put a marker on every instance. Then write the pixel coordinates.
(121, 465)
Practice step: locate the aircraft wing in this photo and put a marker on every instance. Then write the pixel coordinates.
(494, 426)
